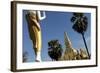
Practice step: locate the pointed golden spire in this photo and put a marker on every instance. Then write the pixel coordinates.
(68, 43)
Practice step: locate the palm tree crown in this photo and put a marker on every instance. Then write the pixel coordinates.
(55, 49)
(80, 22)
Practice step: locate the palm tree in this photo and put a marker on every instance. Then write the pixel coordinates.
(54, 50)
(80, 24)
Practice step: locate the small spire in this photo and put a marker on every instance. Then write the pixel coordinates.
(68, 43)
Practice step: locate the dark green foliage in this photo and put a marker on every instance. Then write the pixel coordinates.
(80, 22)
(54, 50)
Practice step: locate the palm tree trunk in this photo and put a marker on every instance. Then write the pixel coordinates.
(85, 45)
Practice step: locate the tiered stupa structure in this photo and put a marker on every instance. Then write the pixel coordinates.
(70, 53)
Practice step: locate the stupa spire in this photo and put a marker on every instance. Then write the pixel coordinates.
(67, 41)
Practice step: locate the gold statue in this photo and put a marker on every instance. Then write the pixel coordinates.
(33, 18)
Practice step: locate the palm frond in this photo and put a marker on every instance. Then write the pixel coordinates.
(73, 19)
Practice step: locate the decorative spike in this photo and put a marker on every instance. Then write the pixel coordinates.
(68, 43)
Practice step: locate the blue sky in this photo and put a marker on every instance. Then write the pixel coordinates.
(53, 27)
